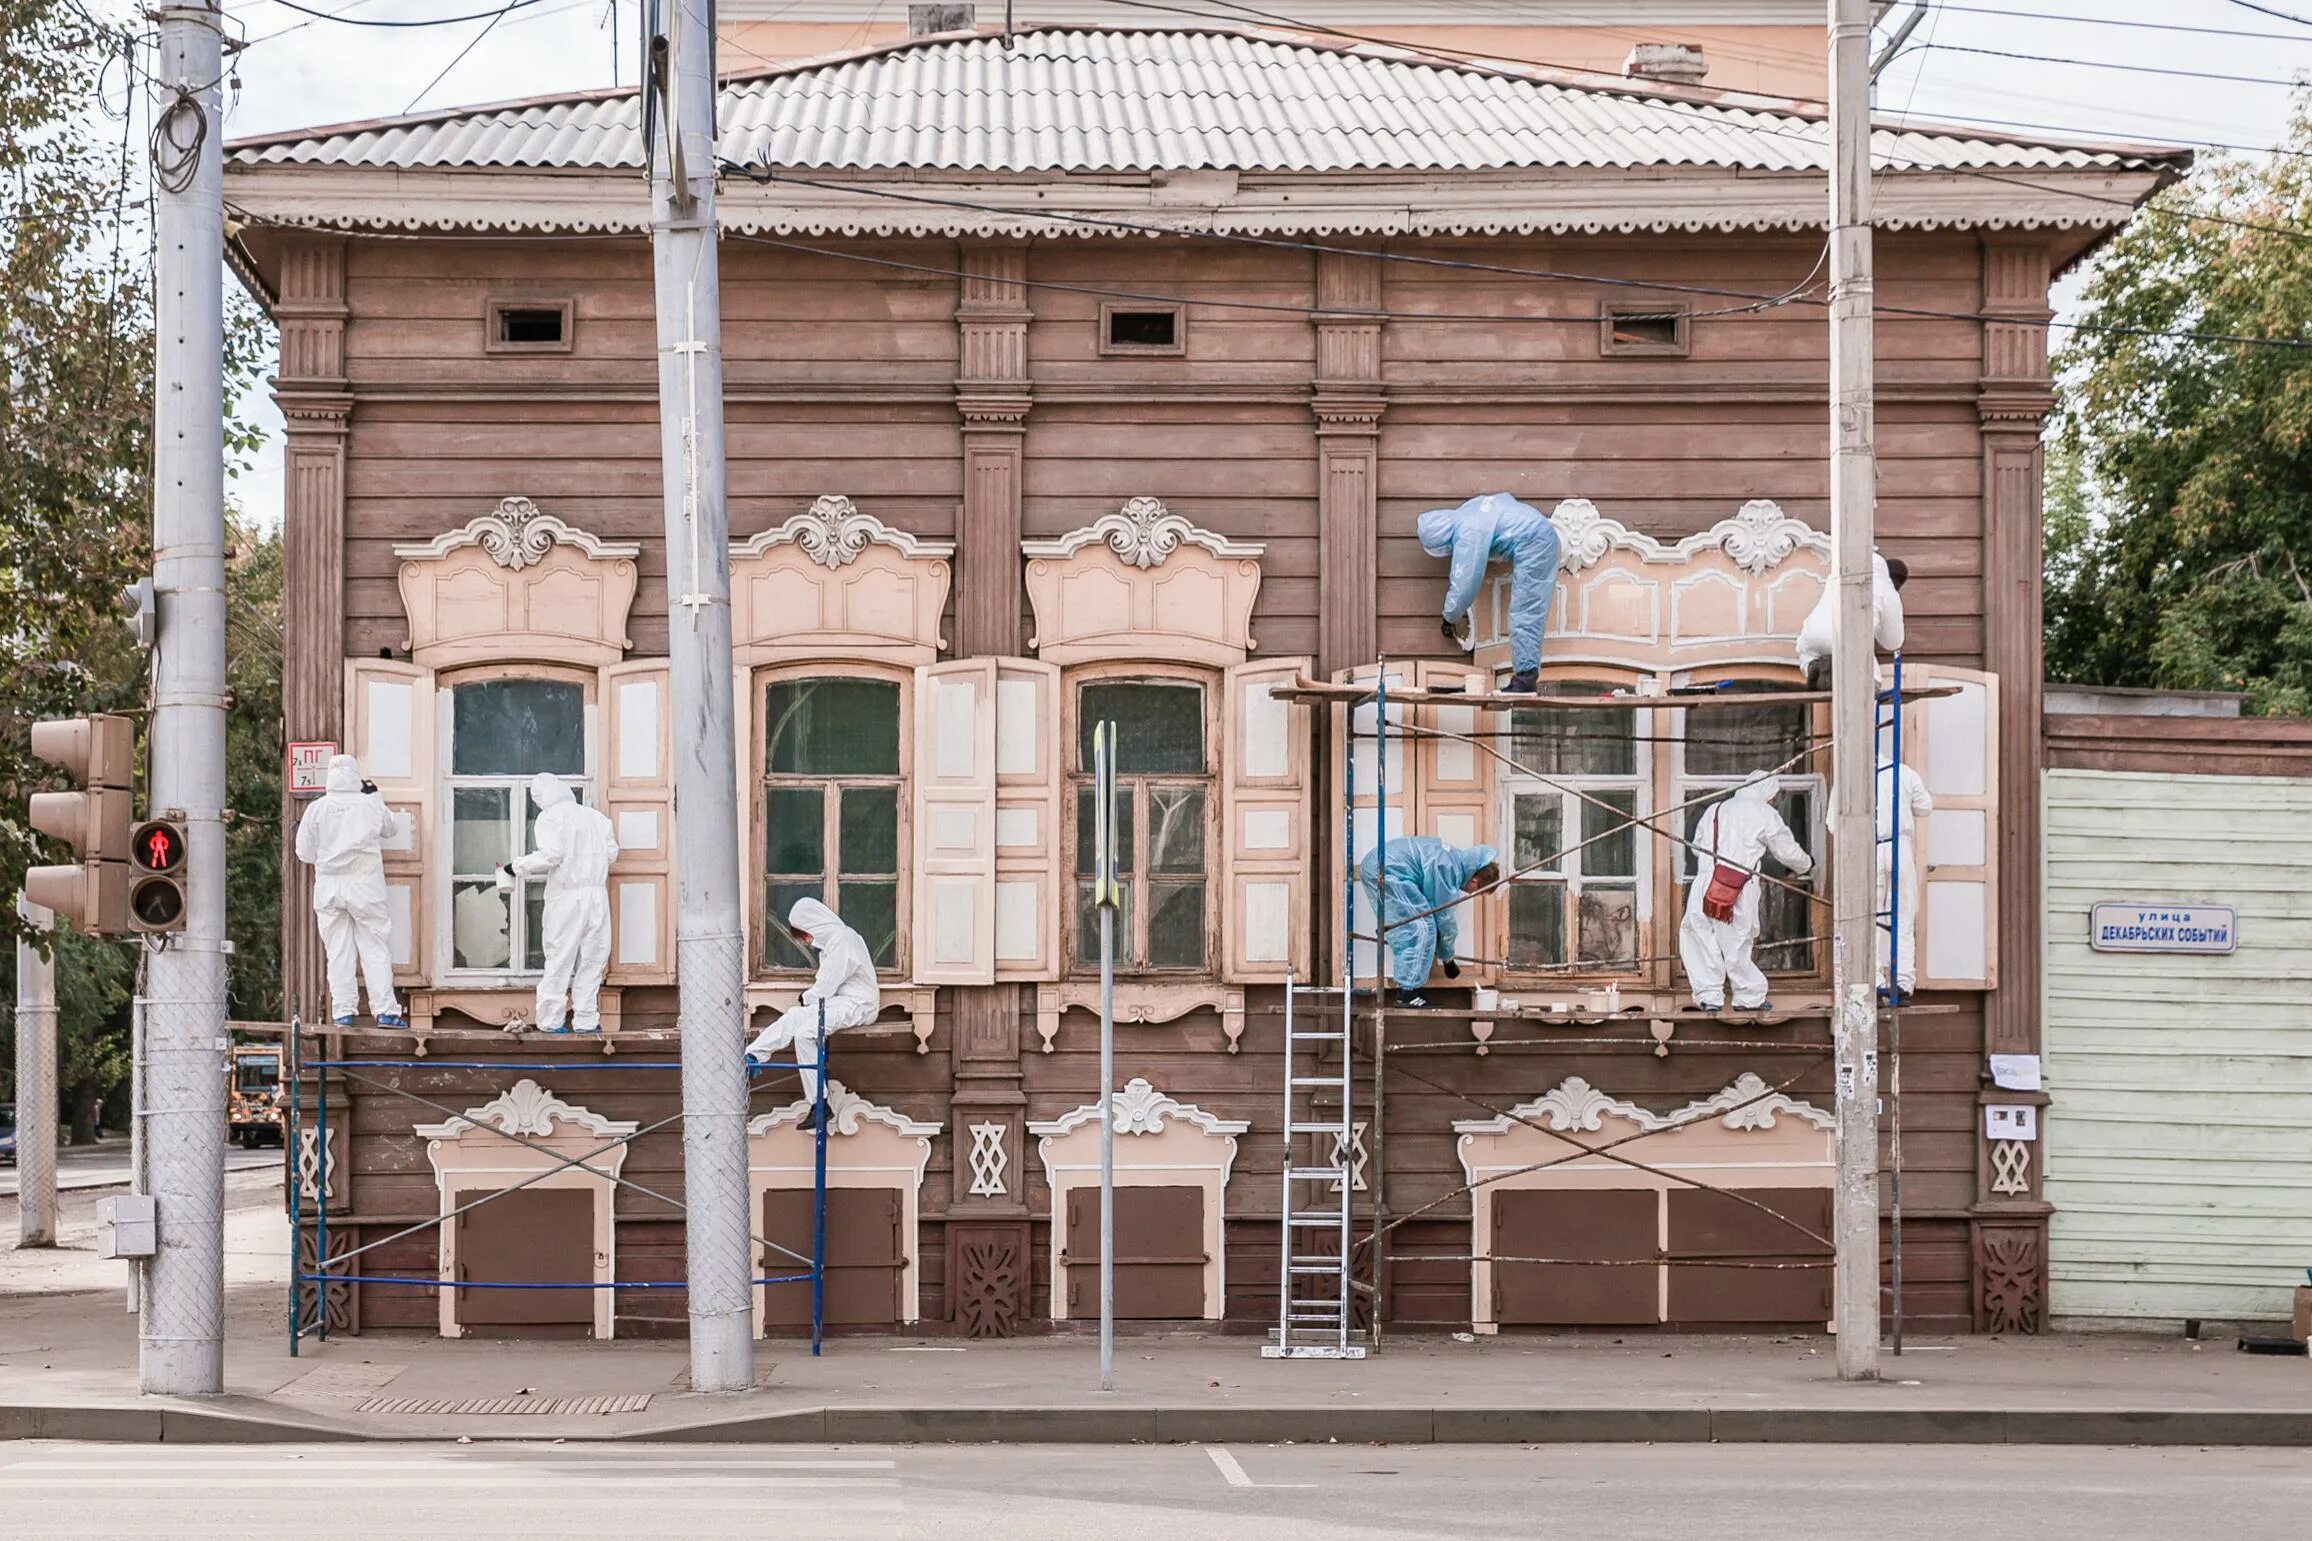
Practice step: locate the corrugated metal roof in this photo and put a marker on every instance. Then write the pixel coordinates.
(1141, 100)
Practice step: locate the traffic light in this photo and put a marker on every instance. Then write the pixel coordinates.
(100, 753)
(156, 888)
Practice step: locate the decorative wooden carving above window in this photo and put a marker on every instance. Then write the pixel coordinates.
(1735, 593)
(1143, 582)
(517, 583)
(837, 582)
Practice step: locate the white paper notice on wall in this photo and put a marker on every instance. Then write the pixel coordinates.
(2015, 1072)
(2010, 1121)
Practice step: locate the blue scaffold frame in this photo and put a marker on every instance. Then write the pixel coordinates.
(320, 1278)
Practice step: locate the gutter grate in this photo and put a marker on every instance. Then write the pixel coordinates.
(498, 1407)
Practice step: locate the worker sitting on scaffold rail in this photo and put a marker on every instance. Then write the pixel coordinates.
(1421, 879)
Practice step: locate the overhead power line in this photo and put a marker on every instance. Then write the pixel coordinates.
(2110, 64)
(428, 21)
(2265, 10)
(2005, 14)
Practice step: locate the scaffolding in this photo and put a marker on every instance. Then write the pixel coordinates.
(1296, 1318)
(323, 1274)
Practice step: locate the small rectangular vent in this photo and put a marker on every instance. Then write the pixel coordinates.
(1658, 329)
(529, 326)
(1142, 329)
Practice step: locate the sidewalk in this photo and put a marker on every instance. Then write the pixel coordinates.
(68, 1370)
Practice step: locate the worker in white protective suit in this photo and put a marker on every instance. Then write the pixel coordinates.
(1901, 796)
(572, 850)
(845, 987)
(1734, 836)
(342, 838)
(1818, 636)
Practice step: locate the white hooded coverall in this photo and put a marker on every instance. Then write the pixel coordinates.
(1737, 832)
(1818, 636)
(1901, 795)
(572, 849)
(846, 984)
(341, 838)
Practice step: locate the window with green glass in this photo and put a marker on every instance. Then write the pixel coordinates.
(832, 794)
(503, 732)
(1163, 813)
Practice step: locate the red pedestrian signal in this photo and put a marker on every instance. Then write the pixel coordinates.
(156, 894)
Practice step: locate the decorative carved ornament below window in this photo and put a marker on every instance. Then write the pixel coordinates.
(517, 582)
(1143, 582)
(835, 581)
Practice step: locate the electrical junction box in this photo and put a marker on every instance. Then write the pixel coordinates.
(124, 1226)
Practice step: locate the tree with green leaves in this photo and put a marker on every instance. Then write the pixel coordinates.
(2180, 475)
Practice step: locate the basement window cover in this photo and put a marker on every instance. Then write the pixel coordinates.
(1141, 329)
(539, 326)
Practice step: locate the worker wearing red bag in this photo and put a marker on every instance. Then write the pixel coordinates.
(1721, 924)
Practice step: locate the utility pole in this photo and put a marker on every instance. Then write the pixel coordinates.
(1853, 691)
(35, 1083)
(181, 1316)
(710, 949)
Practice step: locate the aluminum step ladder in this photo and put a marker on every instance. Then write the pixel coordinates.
(1313, 1281)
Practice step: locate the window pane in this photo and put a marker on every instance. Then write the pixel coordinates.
(1616, 853)
(1560, 741)
(1783, 916)
(1536, 923)
(779, 949)
(870, 832)
(1175, 830)
(518, 728)
(872, 910)
(1175, 925)
(1735, 740)
(1088, 929)
(478, 919)
(1540, 825)
(832, 727)
(534, 924)
(1609, 926)
(1087, 834)
(1159, 726)
(478, 832)
(795, 833)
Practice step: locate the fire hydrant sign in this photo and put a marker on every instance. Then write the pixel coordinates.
(309, 769)
(2201, 928)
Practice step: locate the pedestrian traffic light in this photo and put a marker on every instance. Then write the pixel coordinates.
(156, 889)
(99, 752)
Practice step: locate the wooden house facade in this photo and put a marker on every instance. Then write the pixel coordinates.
(1109, 407)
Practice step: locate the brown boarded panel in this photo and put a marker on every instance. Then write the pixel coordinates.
(1609, 1225)
(1160, 1254)
(864, 1257)
(1706, 1224)
(533, 1236)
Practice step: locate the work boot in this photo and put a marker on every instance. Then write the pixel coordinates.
(393, 1019)
(344, 1021)
(1525, 682)
(556, 1027)
(812, 1120)
(1818, 674)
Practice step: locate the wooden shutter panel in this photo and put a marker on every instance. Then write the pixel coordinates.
(637, 779)
(1953, 743)
(390, 716)
(1265, 851)
(1029, 894)
(955, 791)
(1456, 792)
(1365, 815)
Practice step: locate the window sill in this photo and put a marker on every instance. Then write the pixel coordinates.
(1141, 1001)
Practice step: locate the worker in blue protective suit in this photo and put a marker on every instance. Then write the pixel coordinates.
(1497, 527)
(1414, 876)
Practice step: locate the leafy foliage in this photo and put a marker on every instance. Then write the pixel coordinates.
(2180, 481)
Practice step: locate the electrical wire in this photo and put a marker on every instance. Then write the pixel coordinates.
(2103, 64)
(340, 17)
(500, 15)
(2265, 10)
(2115, 21)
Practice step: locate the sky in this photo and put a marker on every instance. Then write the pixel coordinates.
(2122, 82)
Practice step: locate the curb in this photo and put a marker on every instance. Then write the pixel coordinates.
(172, 1422)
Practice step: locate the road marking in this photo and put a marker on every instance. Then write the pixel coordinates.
(1235, 1474)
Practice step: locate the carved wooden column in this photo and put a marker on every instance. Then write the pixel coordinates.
(1347, 402)
(316, 402)
(987, 1227)
(2010, 1230)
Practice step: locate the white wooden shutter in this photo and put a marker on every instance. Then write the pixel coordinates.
(1361, 775)
(1264, 850)
(636, 773)
(389, 716)
(1029, 895)
(1953, 743)
(955, 793)
(1456, 792)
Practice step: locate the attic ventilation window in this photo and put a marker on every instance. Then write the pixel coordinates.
(1643, 329)
(529, 326)
(1133, 328)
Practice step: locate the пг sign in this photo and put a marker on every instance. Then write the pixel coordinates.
(2202, 928)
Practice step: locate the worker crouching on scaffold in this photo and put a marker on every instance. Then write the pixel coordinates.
(1715, 940)
(1496, 526)
(846, 987)
(1421, 878)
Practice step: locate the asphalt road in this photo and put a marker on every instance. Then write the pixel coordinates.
(1027, 1492)
(106, 1165)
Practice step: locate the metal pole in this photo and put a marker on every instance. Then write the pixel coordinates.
(1853, 689)
(290, 1057)
(1380, 1183)
(180, 1328)
(35, 1083)
(819, 1193)
(1895, 920)
(709, 946)
(1104, 797)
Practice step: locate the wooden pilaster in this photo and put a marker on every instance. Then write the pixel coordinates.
(1347, 402)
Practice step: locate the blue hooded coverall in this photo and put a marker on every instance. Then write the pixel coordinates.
(1497, 527)
(1423, 873)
